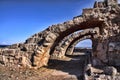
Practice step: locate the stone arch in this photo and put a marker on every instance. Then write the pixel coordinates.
(71, 47)
(91, 17)
(60, 50)
(44, 42)
(53, 35)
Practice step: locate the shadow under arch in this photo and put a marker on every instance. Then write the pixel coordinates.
(75, 66)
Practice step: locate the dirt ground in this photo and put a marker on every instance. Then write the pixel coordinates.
(66, 69)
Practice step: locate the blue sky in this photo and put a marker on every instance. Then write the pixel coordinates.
(19, 19)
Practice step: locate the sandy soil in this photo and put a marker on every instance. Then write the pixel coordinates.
(66, 69)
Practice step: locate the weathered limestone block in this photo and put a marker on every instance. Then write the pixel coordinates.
(77, 20)
(41, 57)
(69, 24)
(50, 38)
(14, 46)
(30, 40)
(28, 47)
(61, 28)
(57, 53)
(88, 11)
(2, 59)
(25, 62)
(111, 2)
(101, 52)
(110, 71)
(11, 57)
(8, 52)
(35, 38)
(114, 53)
(70, 50)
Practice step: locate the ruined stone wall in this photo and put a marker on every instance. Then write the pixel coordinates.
(14, 57)
(36, 50)
(108, 34)
(114, 53)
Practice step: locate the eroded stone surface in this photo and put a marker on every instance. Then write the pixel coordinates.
(36, 50)
(61, 49)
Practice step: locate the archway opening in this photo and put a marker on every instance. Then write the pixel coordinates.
(84, 44)
(83, 47)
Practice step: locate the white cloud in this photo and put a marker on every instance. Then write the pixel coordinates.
(3, 43)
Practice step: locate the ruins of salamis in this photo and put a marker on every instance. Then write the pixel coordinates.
(100, 24)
